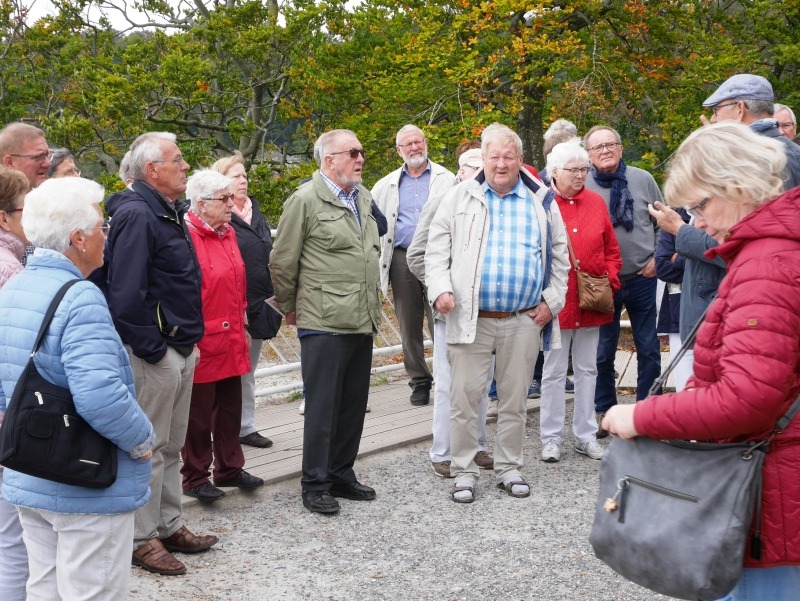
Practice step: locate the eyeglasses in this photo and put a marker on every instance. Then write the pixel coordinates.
(603, 147)
(787, 125)
(72, 172)
(715, 109)
(177, 160)
(697, 210)
(226, 198)
(576, 170)
(353, 152)
(14, 210)
(105, 228)
(411, 143)
(42, 156)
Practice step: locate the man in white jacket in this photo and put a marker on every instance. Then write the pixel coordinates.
(497, 266)
(401, 196)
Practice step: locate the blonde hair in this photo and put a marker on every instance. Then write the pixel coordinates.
(225, 164)
(501, 135)
(726, 160)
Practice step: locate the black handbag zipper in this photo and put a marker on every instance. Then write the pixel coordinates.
(625, 481)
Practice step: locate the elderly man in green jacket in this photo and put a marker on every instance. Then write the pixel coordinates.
(324, 269)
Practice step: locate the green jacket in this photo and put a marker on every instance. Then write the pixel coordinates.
(324, 266)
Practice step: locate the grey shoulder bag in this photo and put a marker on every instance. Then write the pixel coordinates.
(674, 516)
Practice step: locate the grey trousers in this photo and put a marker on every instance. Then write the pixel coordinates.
(411, 307)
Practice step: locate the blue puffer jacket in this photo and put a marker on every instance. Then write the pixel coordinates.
(83, 352)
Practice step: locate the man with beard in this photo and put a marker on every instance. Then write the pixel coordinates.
(401, 196)
(324, 268)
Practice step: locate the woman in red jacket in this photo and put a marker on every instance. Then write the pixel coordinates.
(747, 352)
(596, 249)
(216, 406)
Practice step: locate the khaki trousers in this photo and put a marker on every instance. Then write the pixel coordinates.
(164, 392)
(515, 343)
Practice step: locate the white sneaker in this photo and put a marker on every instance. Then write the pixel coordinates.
(551, 451)
(591, 449)
(302, 409)
(368, 409)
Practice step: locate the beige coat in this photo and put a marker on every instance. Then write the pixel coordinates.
(456, 245)
(387, 196)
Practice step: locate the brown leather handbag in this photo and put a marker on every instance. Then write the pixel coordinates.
(594, 291)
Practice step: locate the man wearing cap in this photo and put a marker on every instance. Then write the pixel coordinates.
(787, 122)
(401, 196)
(748, 98)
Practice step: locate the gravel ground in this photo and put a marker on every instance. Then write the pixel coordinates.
(413, 543)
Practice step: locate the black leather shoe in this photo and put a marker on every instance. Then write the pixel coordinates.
(421, 396)
(242, 480)
(355, 492)
(254, 439)
(320, 501)
(205, 492)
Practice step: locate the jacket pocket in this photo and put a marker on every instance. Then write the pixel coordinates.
(334, 230)
(216, 339)
(343, 305)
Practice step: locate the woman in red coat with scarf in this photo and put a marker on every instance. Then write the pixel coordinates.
(216, 406)
(747, 353)
(596, 249)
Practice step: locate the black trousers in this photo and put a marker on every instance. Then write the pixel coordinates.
(336, 371)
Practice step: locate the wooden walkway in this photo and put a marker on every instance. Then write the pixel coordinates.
(393, 422)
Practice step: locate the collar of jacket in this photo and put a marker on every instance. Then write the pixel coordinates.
(158, 203)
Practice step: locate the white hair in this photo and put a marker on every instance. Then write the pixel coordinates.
(502, 135)
(147, 149)
(407, 129)
(324, 142)
(205, 184)
(125, 168)
(58, 207)
(564, 153)
(779, 106)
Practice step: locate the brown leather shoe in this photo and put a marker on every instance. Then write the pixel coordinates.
(153, 557)
(184, 541)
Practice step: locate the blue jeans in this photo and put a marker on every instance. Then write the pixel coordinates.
(766, 584)
(638, 294)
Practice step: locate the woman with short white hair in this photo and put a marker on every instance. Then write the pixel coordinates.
(216, 406)
(595, 247)
(78, 539)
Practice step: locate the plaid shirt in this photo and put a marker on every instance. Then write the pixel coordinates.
(350, 200)
(512, 273)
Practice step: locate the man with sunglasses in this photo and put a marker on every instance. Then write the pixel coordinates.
(324, 268)
(401, 196)
(749, 99)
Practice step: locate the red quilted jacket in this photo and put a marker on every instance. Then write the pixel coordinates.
(595, 244)
(223, 349)
(747, 366)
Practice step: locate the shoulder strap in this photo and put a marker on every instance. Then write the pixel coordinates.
(51, 311)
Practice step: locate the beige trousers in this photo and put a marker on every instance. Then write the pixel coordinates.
(515, 343)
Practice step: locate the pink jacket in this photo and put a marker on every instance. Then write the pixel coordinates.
(747, 366)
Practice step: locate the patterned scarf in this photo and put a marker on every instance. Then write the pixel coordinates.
(246, 212)
(621, 206)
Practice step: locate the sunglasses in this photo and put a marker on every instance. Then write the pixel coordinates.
(353, 152)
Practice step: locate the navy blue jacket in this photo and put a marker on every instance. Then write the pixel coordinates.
(671, 272)
(255, 244)
(153, 276)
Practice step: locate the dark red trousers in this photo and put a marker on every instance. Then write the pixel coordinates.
(215, 417)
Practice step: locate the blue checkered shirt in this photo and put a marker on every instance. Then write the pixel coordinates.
(350, 200)
(512, 273)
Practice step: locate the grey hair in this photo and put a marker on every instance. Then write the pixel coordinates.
(58, 207)
(559, 131)
(503, 135)
(59, 156)
(406, 129)
(204, 184)
(147, 149)
(778, 106)
(727, 160)
(760, 108)
(15, 134)
(325, 141)
(565, 152)
(125, 168)
(598, 128)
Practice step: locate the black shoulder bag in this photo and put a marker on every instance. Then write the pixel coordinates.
(42, 434)
(674, 516)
